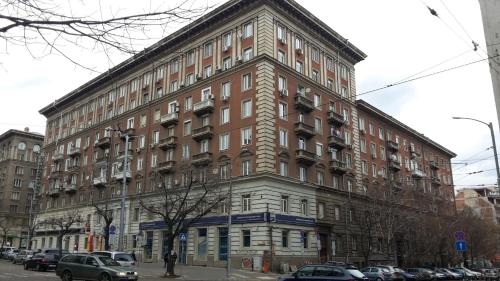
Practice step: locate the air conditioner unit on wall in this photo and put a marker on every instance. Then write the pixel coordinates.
(284, 93)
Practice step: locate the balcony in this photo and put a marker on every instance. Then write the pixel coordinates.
(392, 145)
(434, 165)
(416, 173)
(169, 119)
(56, 174)
(57, 156)
(203, 107)
(168, 143)
(337, 142)
(302, 129)
(335, 118)
(103, 159)
(99, 182)
(54, 192)
(166, 167)
(103, 142)
(394, 165)
(436, 181)
(338, 167)
(202, 159)
(70, 188)
(121, 155)
(74, 151)
(305, 157)
(205, 132)
(74, 168)
(303, 103)
(118, 175)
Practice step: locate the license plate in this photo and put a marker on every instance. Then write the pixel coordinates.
(131, 277)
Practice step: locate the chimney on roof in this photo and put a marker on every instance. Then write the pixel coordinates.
(26, 129)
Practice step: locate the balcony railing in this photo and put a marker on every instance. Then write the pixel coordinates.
(303, 103)
(99, 181)
(103, 142)
(338, 167)
(168, 143)
(337, 142)
(305, 157)
(205, 132)
(74, 151)
(436, 180)
(204, 106)
(302, 129)
(392, 145)
(169, 119)
(416, 173)
(118, 175)
(335, 118)
(166, 167)
(75, 167)
(70, 187)
(202, 159)
(56, 174)
(130, 154)
(434, 165)
(394, 164)
(54, 192)
(57, 156)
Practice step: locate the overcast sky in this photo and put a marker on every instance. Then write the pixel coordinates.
(401, 38)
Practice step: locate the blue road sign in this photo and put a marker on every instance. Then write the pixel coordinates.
(459, 236)
(461, 246)
(183, 236)
(112, 230)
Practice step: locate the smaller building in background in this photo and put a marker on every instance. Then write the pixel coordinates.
(19, 151)
(484, 202)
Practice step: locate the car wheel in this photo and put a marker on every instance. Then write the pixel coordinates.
(38, 267)
(378, 279)
(67, 276)
(25, 266)
(104, 277)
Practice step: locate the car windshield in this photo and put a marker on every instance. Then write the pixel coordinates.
(108, 261)
(123, 257)
(356, 273)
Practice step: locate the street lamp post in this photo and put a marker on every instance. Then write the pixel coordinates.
(490, 125)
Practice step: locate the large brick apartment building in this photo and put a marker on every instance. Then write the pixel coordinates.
(261, 92)
(19, 152)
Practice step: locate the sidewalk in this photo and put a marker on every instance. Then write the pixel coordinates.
(188, 272)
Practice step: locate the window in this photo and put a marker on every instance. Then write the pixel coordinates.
(156, 137)
(343, 92)
(13, 209)
(224, 141)
(283, 137)
(364, 167)
(226, 63)
(188, 103)
(348, 160)
(302, 174)
(284, 238)
(284, 204)
(208, 49)
(373, 150)
(185, 152)
(174, 66)
(247, 30)
(345, 114)
(318, 126)
(157, 115)
(382, 153)
(283, 168)
(139, 164)
(317, 101)
(315, 54)
(224, 171)
(202, 244)
(283, 111)
(298, 43)
(15, 195)
(246, 168)
(315, 75)
(247, 82)
(336, 211)
(246, 203)
(203, 146)
(381, 133)
(320, 177)
(187, 128)
(319, 150)
(321, 210)
(246, 108)
(19, 170)
(190, 58)
(247, 54)
(299, 67)
(224, 115)
(281, 56)
(335, 182)
(247, 239)
(154, 160)
(189, 79)
(18, 182)
(174, 86)
(227, 40)
(329, 84)
(207, 71)
(330, 65)
(281, 83)
(130, 123)
(362, 145)
(303, 207)
(136, 214)
(374, 170)
(281, 33)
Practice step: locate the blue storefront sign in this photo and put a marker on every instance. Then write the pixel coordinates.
(238, 219)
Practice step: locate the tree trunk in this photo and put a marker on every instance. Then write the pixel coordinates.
(106, 237)
(171, 260)
(59, 243)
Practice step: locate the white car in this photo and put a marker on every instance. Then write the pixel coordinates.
(122, 258)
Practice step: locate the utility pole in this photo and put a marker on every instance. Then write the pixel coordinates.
(39, 171)
(229, 221)
(123, 193)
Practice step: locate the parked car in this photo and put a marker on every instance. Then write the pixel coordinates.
(490, 274)
(4, 250)
(318, 272)
(355, 273)
(122, 258)
(407, 276)
(465, 274)
(450, 275)
(44, 260)
(91, 267)
(22, 256)
(395, 274)
(11, 254)
(422, 273)
(377, 273)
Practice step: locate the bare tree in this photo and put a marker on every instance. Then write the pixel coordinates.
(365, 219)
(63, 226)
(182, 206)
(104, 211)
(58, 28)
(4, 230)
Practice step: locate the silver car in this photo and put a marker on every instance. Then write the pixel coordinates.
(122, 258)
(22, 256)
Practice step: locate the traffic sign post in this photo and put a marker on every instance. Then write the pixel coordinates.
(459, 236)
(183, 236)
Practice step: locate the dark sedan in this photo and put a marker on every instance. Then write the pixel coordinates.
(41, 262)
(319, 272)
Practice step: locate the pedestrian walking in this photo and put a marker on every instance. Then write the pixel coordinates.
(173, 255)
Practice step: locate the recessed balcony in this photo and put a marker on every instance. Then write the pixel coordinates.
(166, 167)
(338, 167)
(202, 159)
(169, 119)
(303, 103)
(434, 165)
(335, 118)
(337, 141)
(392, 145)
(99, 182)
(205, 132)
(203, 107)
(302, 129)
(103, 142)
(305, 157)
(168, 143)
(70, 188)
(394, 165)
